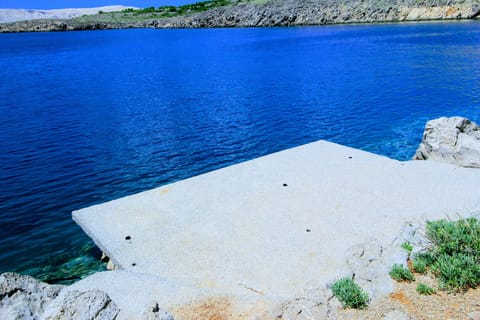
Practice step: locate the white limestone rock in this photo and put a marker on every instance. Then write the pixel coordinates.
(312, 304)
(369, 264)
(413, 232)
(78, 305)
(454, 140)
(23, 297)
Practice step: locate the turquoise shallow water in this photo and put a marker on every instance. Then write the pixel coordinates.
(86, 117)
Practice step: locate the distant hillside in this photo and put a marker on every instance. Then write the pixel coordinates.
(12, 15)
(261, 13)
(317, 12)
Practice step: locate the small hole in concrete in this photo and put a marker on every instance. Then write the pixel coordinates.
(349, 157)
(308, 230)
(128, 238)
(134, 264)
(285, 185)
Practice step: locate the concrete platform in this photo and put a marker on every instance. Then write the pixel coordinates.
(274, 225)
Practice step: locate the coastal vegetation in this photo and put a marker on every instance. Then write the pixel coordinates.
(350, 294)
(169, 11)
(425, 289)
(453, 256)
(401, 273)
(455, 253)
(407, 246)
(419, 265)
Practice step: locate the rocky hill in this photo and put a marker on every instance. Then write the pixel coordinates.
(12, 15)
(262, 13)
(316, 12)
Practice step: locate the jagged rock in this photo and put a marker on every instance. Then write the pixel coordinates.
(23, 297)
(412, 232)
(78, 305)
(454, 140)
(369, 264)
(313, 304)
(155, 313)
(396, 315)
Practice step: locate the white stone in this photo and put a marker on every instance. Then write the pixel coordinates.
(369, 264)
(312, 304)
(78, 305)
(454, 140)
(23, 297)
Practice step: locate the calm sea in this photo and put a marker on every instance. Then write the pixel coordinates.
(87, 117)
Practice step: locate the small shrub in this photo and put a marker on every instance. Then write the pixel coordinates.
(400, 273)
(407, 246)
(426, 256)
(457, 272)
(349, 293)
(424, 289)
(454, 237)
(455, 252)
(419, 265)
(128, 10)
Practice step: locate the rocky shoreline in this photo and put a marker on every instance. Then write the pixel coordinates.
(271, 13)
(123, 294)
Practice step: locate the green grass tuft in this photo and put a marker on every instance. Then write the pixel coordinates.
(350, 294)
(400, 273)
(419, 265)
(424, 289)
(407, 246)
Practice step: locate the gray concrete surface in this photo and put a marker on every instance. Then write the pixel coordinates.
(239, 230)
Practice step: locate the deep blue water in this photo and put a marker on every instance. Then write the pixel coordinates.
(87, 117)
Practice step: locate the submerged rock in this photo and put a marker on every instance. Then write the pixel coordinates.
(23, 297)
(454, 140)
